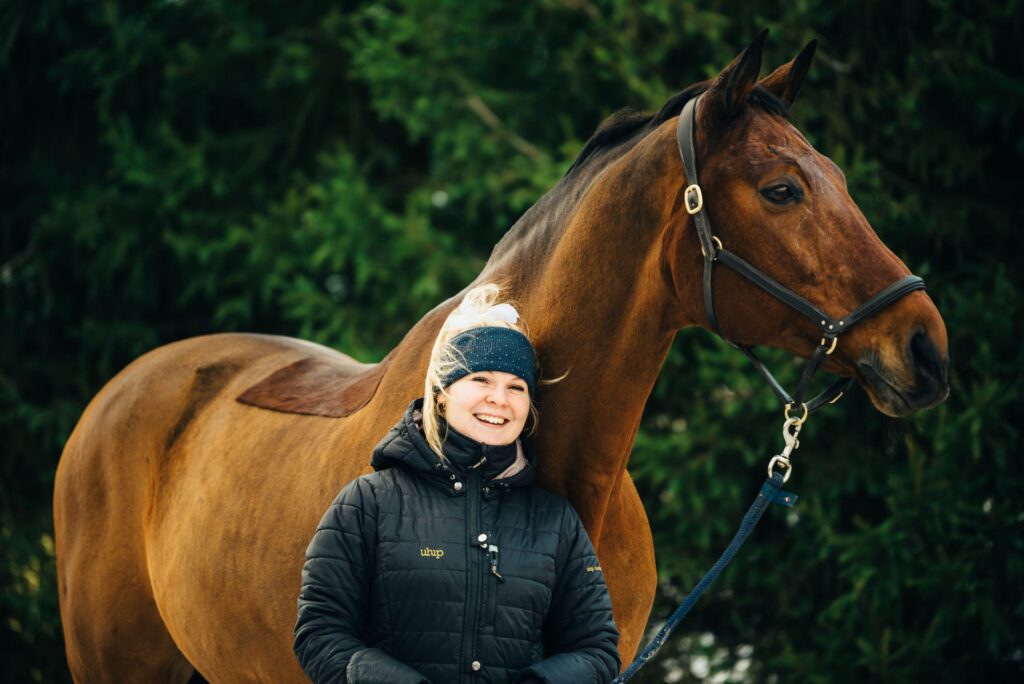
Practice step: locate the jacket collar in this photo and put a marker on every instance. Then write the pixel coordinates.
(405, 445)
(464, 452)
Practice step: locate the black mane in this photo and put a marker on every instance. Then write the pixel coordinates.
(625, 123)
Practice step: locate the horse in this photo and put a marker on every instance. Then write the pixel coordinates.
(192, 483)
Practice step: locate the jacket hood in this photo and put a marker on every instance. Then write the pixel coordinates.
(405, 445)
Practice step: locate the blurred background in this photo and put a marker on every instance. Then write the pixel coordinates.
(332, 170)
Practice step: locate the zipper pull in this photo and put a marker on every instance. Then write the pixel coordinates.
(492, 557)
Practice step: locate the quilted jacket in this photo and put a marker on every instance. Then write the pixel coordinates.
(431, 572)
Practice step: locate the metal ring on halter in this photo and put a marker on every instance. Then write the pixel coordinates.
(714, 239)
(798, 421)
(831, 349)
(692, 209)
(782, 462)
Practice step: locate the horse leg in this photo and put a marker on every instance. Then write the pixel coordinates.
(113, 630)
(114, 636)
(626, 550)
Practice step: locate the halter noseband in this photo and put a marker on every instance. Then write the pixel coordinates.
(713, 251)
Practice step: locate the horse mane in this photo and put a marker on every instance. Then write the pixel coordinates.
(536, 228)
(624, 124)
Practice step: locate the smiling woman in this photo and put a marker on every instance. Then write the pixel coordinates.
(481, 356)
(447, 564)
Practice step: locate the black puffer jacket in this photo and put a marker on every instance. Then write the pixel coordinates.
(401, 585)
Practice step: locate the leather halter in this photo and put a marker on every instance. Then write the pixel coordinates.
(713, 251)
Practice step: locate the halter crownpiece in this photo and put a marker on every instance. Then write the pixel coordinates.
(713, 251)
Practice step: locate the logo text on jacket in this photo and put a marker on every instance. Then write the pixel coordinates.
(433, 553)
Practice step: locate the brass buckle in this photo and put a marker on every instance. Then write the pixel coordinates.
(715, 240)
(692, 209)
(835, 341)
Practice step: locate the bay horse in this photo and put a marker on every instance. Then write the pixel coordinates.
(183, 506)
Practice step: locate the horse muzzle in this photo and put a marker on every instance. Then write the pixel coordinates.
(927, 378)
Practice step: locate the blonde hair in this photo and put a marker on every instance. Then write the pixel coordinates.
(472, 313)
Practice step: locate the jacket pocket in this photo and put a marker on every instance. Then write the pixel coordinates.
(490, 600)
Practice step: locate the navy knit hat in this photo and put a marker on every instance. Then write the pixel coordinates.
(493, 348)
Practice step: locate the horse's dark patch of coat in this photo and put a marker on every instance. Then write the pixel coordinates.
(208, 382)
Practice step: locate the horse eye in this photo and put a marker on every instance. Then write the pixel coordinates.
(781, 193)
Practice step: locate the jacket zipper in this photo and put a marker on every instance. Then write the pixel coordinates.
(474, 571)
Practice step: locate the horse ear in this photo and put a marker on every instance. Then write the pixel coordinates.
(727, 94)
(786, 81)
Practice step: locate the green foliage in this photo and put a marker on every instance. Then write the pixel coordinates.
(331, 170)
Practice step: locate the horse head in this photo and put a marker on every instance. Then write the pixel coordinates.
(784, 207)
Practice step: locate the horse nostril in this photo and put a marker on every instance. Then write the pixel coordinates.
(929, 366)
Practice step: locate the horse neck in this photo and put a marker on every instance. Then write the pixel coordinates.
(602, 312)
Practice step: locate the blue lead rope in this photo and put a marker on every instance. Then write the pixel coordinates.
(771, 493)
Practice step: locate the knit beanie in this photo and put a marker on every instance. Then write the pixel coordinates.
(493, 348)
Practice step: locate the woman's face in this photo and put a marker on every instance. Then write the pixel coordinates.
(489, 406)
